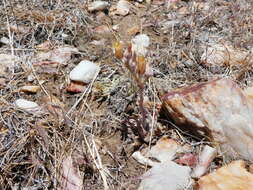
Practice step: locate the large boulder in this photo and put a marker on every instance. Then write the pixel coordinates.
(217, 109)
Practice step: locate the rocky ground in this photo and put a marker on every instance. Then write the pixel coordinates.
(71, 125)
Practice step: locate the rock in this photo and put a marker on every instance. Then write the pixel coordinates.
(231, 177)
(205, 158)
(166, 175)
(165, 149)
(5, 40)
(98, 6)
(27, 105)
(84, 72)
(30, 89)
(222, 54)
(217, 109)
(70, 177)
(123, 7)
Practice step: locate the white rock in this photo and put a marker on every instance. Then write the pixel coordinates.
(166, 175)
(123, 7)
(140, 44)
(5, 40)
(98, 6)
(84, 72)
(27, 105)
(165, 149)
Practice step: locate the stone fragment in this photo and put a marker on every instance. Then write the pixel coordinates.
(165, 149)
(223, 54)
(231, 177)
(217, 109)
(84, 72)
(205, 158)
(166, 175)
(27, 105)
(98, 6)
(123, 7)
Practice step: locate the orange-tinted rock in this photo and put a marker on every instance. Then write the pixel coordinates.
(217, 109)
(231, 177)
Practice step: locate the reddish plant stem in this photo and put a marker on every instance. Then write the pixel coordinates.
(142, 108)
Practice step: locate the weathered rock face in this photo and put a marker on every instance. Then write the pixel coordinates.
(217, 109)
(233, 177)
(224, 54)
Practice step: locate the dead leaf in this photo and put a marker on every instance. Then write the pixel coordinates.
(76, 87)
(133, 30)
(71, 179)
(2, 82)
(29, 89)
(54, 106)
(7, 61)
(102, 29)
(59, 55)
(49, 67)
(45, 46)
(19, 29)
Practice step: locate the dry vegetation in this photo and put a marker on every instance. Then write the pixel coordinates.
(97, 127)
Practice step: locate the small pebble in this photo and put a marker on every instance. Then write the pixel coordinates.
(84, 72)
(98, 6)
(27, 105)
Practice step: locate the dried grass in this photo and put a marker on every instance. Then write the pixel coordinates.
(32, 147)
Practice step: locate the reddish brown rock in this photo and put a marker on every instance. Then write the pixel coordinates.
(217, 109)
